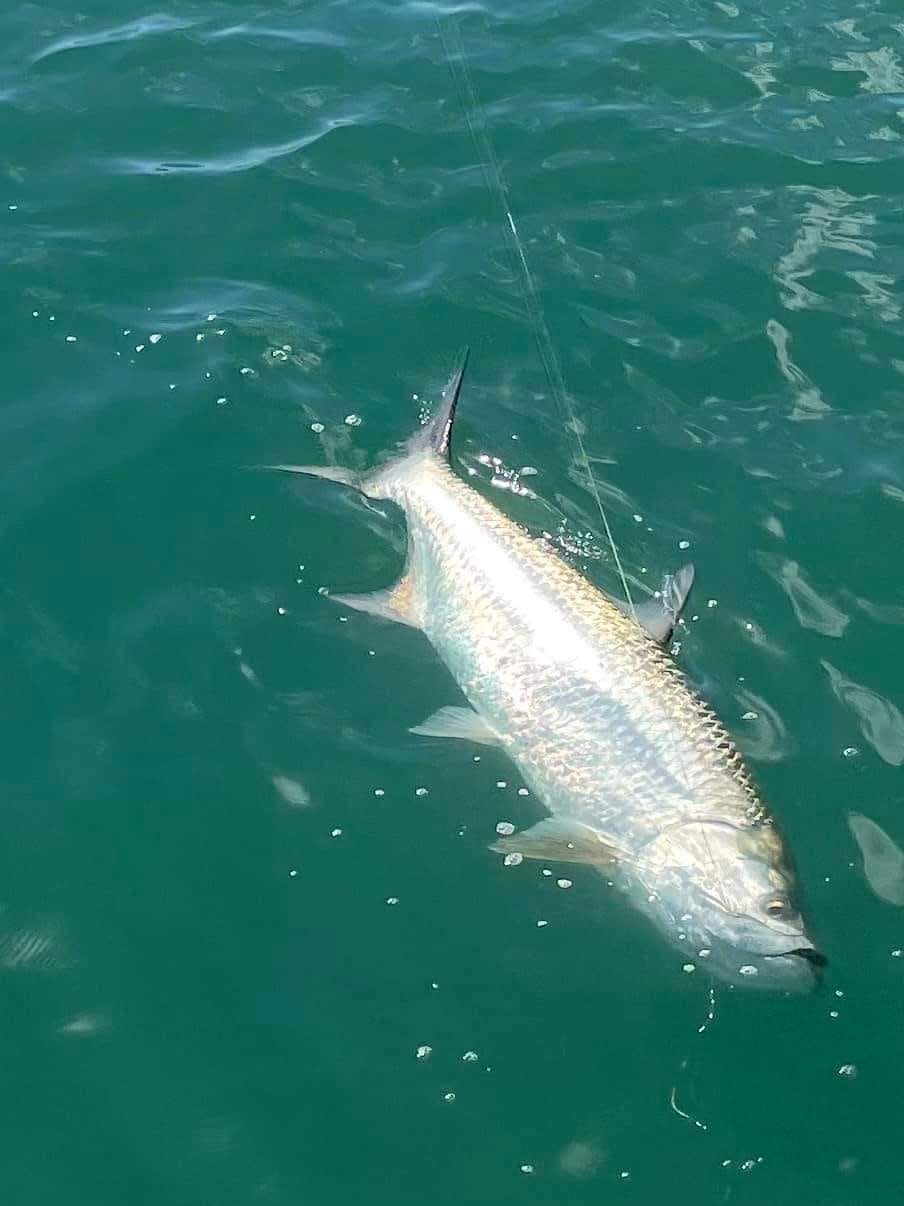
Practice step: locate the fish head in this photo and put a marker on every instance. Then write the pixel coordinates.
(728, 890)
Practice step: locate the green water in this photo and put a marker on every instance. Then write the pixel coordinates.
(222, 224)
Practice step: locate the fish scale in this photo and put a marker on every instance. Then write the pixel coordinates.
(647, 739)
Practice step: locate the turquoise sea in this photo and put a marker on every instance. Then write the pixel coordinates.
(237, 897)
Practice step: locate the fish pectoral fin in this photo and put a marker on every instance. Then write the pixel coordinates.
(463, 723)
(560, 841)
(659, 616)
(396, 604)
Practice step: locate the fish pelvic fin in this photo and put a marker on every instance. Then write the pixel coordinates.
(561, 841)
(330, 473)
(397, 604)
(452, 721)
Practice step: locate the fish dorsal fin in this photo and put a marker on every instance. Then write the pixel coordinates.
(659, 616)
(560, 841)
(437, 434)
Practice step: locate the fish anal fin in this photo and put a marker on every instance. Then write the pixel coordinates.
(397, 604)
(560, 841)
(462, 723)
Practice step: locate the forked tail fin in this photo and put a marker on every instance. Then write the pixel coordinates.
(434, 438)
(437, 435)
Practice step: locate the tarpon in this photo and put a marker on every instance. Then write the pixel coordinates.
(639, 777)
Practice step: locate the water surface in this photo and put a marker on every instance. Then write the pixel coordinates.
(237, 896)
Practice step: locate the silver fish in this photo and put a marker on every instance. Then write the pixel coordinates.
(640, 778)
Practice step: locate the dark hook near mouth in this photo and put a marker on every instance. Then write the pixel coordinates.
(812, 956)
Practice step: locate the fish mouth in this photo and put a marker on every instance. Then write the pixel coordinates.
(797, 969)
(814, 957)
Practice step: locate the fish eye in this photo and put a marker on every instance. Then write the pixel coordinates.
(778, 907)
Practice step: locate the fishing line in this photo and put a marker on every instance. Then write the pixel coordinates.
(701, 1029)
(476, 122)
(477, 125)
(455, 57)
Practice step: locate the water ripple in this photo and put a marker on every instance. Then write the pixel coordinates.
(881, 722)
(224, 164)
(303, 36)
(142, 27)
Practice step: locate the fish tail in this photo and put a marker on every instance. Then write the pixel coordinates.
(437, 434)
(434, 439)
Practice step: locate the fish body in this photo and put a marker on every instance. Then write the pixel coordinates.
(637, 774)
